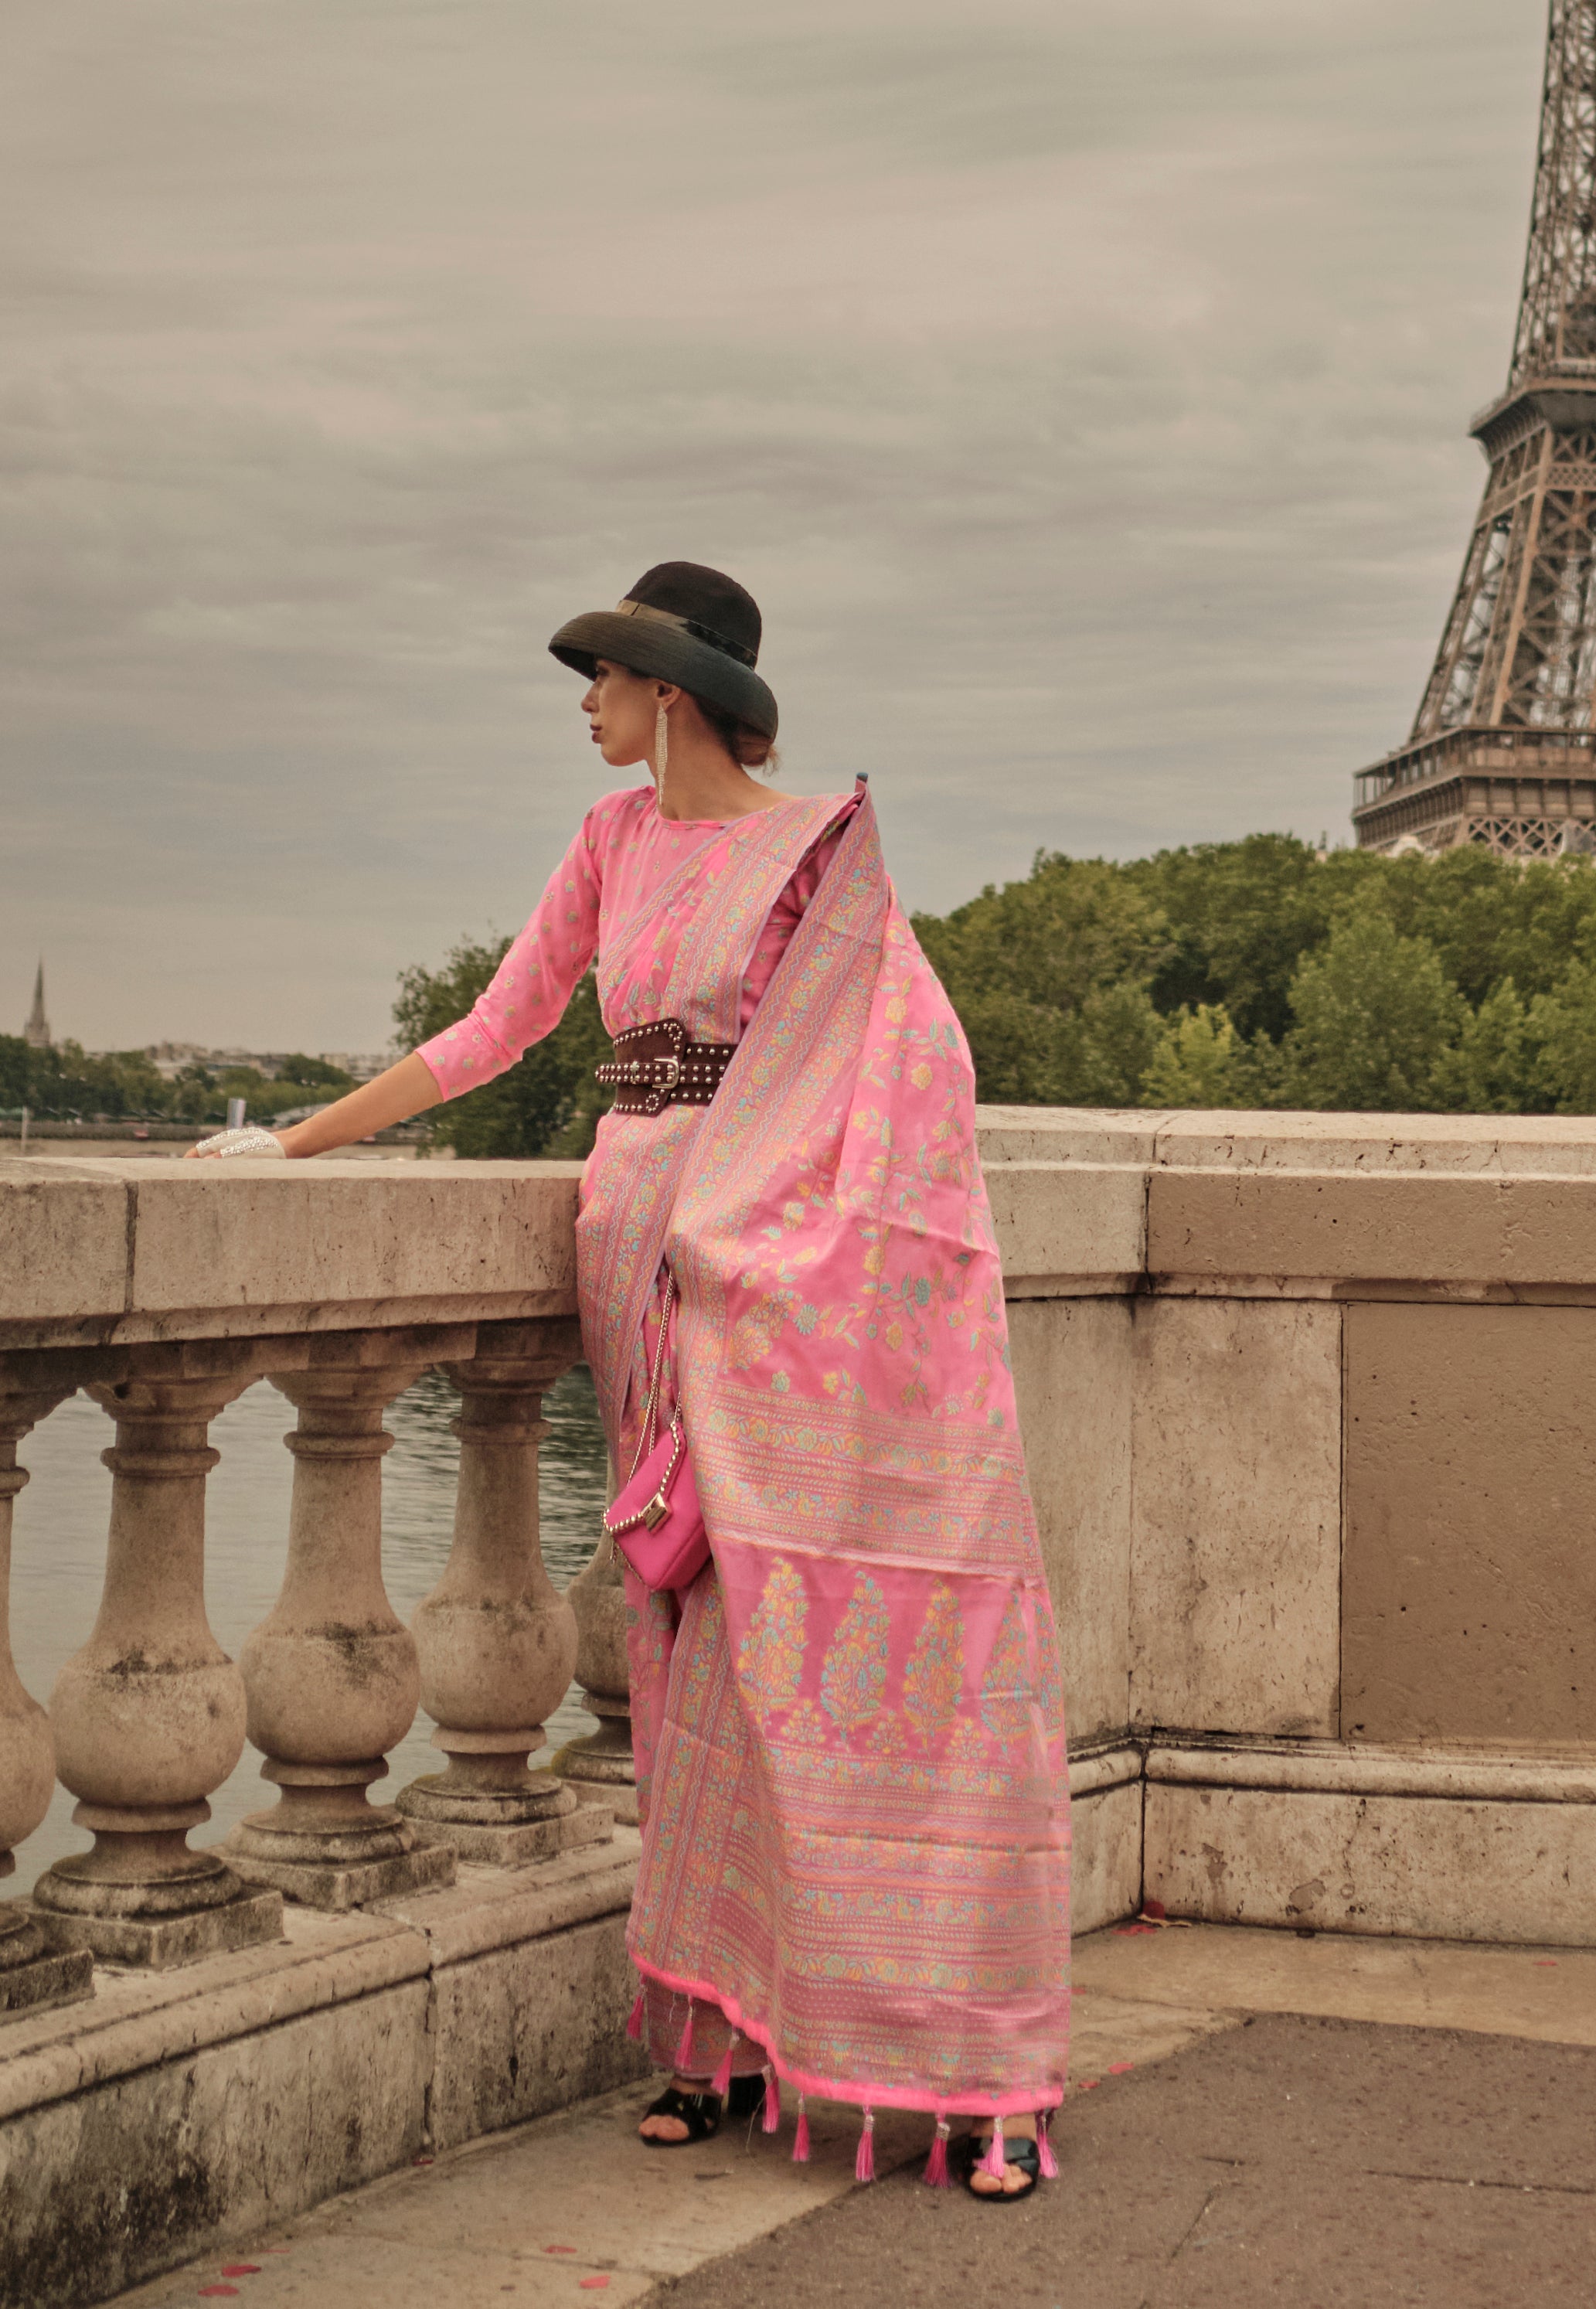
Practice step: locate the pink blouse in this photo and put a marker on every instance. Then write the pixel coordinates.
(624, 851)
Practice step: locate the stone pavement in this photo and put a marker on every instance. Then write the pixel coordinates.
(1256, 2118)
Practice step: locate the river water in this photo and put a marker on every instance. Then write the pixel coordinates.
(59, 1553)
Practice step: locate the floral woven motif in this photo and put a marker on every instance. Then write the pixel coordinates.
(771, 1655)
(854, 1677)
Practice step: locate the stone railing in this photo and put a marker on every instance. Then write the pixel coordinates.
(164, 1297)
(1305, 1405)
(458, 1954)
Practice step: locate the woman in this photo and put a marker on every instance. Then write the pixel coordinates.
(849, 1729)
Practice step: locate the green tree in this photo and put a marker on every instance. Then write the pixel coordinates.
(1201, 1060)
(1562, 1025)
(15, 1071)
(1049, 977)
(1375, 1017)
(547, 1102)
(1492, 1068)
(314, 1074)
(1241, 916)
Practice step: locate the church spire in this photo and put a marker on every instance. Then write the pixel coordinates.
(36, 1034)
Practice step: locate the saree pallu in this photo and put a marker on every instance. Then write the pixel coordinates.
(849, 1740)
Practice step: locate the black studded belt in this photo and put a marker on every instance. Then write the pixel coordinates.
(656, 1066)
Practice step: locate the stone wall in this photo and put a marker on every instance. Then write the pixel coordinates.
(1306, 1400)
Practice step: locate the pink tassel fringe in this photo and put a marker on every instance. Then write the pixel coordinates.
(1046, 2160)
(863, 2164)
(721, 2081)
(773, 2102)
(635, 2025)
(684, 2051)
(801, 2144)
(993, 2160)
(935, 2173)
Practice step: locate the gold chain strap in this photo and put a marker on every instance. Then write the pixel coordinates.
(650, 1411)
(654, 1513)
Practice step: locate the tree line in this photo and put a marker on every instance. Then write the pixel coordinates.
(65, 1084)
(1251, 973)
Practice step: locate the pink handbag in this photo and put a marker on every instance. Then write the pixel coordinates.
(655, 1520)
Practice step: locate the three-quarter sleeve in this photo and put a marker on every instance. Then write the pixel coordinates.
(533, 983)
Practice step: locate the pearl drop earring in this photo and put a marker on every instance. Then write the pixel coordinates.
(661, 752)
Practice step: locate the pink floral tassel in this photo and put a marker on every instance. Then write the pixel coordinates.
(1047, 2163)
(863, 2164)
(993, 2162)
(721, 2081)
(684, 2051)
(800, 2143)
(635, 2025)
(772, 2101)
(935, 2173)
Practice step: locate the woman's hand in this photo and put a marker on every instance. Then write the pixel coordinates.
(250, 1140)
(408, 1088)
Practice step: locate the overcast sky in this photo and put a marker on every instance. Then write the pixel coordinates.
(1080, 385)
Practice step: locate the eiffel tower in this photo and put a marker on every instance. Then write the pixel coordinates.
(1503, 752)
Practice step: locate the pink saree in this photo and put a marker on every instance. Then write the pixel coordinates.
(850, 1742)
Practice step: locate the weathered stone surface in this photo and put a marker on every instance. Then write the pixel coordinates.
(1067, 1227)
(1106, 1856)
(1553, 1145)
(342, 1884)
(282, 1234)
(249, 1917)
(1069, 1134)
(33, 1975)
(1347, 1228)
(1437, 1869)
(516, 2037)
(1494, 1991)
(1075, 1377)
(182, 2109)
(601, 1761)
(521, 1843)
(1235, 1554)
(492, 1909)
(118, 2182)
(1470, 1567)
(65, 1231)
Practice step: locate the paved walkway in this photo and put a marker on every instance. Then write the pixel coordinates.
(1256, 2118)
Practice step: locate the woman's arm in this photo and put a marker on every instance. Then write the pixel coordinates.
(388, 1098)
(525, 1001)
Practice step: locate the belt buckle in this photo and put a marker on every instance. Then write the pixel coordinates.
(673, 1074)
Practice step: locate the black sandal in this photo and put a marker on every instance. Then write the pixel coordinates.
(700, 2112)
(1021, 2151)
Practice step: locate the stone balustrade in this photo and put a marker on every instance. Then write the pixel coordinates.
(226, 1279)
(1305, 1401)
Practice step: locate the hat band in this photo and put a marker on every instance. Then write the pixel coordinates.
(689, 626)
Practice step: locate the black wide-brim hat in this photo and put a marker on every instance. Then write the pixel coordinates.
(685, 624)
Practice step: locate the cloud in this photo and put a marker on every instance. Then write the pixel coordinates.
(1080, 391)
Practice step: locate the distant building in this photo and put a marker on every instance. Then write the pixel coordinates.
(36, 1034)
(170, 1058)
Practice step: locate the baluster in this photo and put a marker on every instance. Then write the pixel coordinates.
(602, 1763)
(332, 1674)
(149, 1715)
(497, 1642)
(31, 1973)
